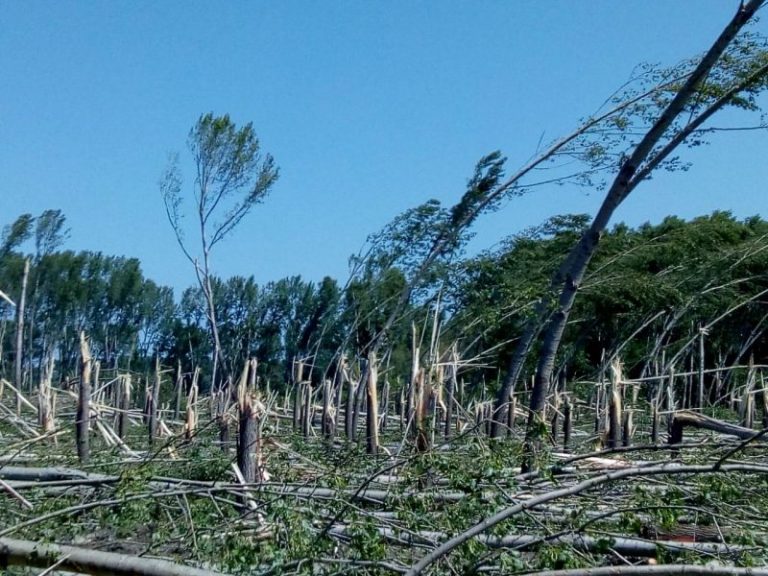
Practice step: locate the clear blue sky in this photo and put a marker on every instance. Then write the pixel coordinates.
(368, 107)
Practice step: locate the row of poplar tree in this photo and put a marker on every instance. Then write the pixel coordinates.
(648, 293)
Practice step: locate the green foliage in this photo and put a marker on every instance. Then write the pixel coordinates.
(203, 462)
(50, 232)
(558, 557)
(365, 541)
(482, 191)
(423, 240)
(16, 233)
(650, 285)
(276, 323)
(123, 313)
(370, 302)
(232, 177)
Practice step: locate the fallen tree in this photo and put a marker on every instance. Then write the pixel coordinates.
(449, 545)
(33, 554)
(687, 418)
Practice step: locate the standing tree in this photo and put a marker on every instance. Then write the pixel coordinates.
(232, 176)
(50, 234)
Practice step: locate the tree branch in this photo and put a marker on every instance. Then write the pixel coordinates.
(511, 511)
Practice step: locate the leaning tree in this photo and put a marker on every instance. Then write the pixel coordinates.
(641, 134)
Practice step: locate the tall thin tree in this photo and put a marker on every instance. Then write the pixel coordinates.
(232, 176)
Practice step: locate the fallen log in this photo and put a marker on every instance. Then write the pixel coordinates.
(637, 547)
(48, 474)
(659, 570)
(686, 418)
(94, 562)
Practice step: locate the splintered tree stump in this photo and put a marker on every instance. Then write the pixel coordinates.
(450, 390)
(327, 414)
(613, 434)
(350, 409)
(154, 401)
(82, 420)
(372, 415)
(123, 404)
(248, 439)
(567, 423)
(384, 407)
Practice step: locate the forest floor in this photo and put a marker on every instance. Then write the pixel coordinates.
(325, 507)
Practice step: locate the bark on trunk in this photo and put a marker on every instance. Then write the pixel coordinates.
(154, 400)
(410, 412)
(372, 416)
(83, 402)
(179, 389)
(73, 559)
(205, 283)
(123, 404)
(514, 371)
(384, 407)
(246, 446)
(19, 349)
(450, 391)
(567, 423)
(360, 396)
(306, 414)
(328, 420)
(45, 399)
(350, 407)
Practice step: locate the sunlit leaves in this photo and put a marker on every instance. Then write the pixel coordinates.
(232, 176)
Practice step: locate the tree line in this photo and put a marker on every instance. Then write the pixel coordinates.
(650, 292)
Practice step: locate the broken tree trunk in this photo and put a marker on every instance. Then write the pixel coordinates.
(328, 418)
(250, 410)
(123, 403)
(306, 412)
(298, 371)
(350, 405)
(654, 147)
(179, 391)
(45, 400)
(450, 389)
(83, 402)
(384, 407)
(423, 392)
(372, 415)
(410, 412)
(154, 399)
(190, 426)
(567, 423)
(19, 350)
(684, 418)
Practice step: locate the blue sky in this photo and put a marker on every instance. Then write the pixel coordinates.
(369, 108)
